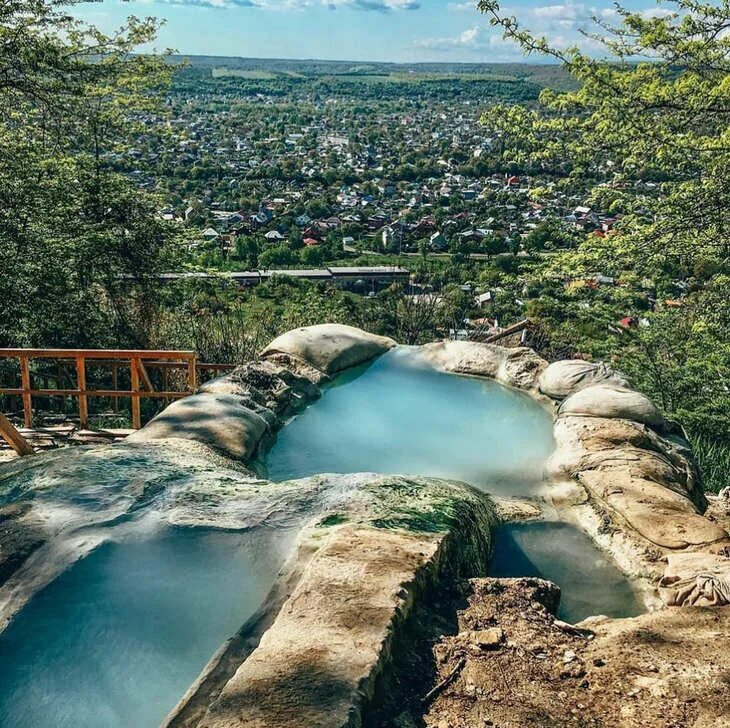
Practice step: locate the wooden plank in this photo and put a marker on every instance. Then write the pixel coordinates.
(164, 365)
(27, 397)
(520, 326)
(145, 376)
(216, 367)
(117, 431)
(95, 393)
(81, 384)
(134, 374)
(13, 437)
(54, 430)
(141, 382)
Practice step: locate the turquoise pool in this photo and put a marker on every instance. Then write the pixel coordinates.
(562, 553)
(116, 640)
(400, 415)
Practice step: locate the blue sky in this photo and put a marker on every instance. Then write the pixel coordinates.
(362, 30)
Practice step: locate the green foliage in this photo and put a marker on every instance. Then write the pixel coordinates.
(665, 119)
(334, 519)
(648, 131)
(549, 235)
(682, 360)
(276, 256)
(713, 457)
(72, 231)
(225, 324)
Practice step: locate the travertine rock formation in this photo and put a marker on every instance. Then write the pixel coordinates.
(330, 348)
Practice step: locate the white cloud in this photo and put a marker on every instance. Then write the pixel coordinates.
(214, 4)
(565, 16)
(380, 5)
(656, 13)
(469, 6)
(383, 6)
(560, 23)
(475, 38)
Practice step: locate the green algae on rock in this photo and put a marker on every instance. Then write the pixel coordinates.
(386, 543)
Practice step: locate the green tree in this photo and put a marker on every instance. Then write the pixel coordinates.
(276, 255)
(74, 234)
(493, 245)
(658, 111)
(667, 118)
(295, 239)
(247, 251)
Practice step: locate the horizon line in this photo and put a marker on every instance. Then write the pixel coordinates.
(346, 60)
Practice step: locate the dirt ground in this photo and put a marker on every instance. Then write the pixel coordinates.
(513, 664)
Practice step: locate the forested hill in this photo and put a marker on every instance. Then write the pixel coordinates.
(545, 74)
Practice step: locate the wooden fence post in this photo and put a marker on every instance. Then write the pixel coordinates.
(25, 385)
(142, 384)
(81, 386)
(165, 384)
(191, 373)
(115, 386)
(134, 375)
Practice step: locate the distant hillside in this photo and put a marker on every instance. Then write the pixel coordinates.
(549, 75)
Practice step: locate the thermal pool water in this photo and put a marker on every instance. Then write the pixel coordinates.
(117, 639)
(399, 415)
(133, 607)
(590, 584)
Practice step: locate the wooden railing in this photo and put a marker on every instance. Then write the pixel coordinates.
(138, 361)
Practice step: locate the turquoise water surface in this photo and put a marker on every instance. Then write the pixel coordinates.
(562, 553)
(117, 639)
(400, 415)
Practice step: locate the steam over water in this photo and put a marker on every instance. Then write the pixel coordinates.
(135, 607)
(400, 415)
(126, 606)
(116, 640)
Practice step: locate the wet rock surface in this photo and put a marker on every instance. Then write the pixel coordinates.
(518, 367)
(382, 545)
(19, 538)
(375, 549)
(61, 505)
(643, 497)
(599, 443)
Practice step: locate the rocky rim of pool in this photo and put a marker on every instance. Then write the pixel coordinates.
(374, 550)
